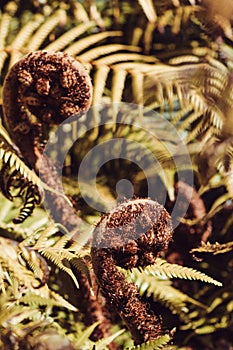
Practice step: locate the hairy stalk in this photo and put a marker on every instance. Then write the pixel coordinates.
(132, 235)
(45, 88)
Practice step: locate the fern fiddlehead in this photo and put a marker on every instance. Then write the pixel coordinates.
(44, 88)
(132, 235)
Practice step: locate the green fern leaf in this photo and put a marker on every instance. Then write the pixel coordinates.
(34, 262)
(85, 335)
(62, 41)
(80, 45)
(61, 301)
(117, 58)
(163, 269)
(35, 301)
(119, 77)
(103, 343)
(60, 260)
(104, 50)
(40, 35)
(10, 263)
(162, 291)
(5, 22)
(149, 10)
(100, 79)
(214, 248)
(17, 314)
(4, 28)
(8, 154)
(23, 36)
(64, 259)
(156, 344)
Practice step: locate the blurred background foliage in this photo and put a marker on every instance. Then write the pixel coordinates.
(175, 58)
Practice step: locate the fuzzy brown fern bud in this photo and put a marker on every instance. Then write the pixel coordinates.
(132, 235)
(43, 87)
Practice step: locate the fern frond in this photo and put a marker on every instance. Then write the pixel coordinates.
(64, 259)
(103, 343)
(61, 301)
(156, 344)
(214, 248)
(5, 21)
(41, 237)
(34, 262)
(100, 79)
(162, 290)
(86, 333)
(16, 314)
(165, 293)
(9, 156)
(9, 262)
(41, 34)
(137, 87)
(35, 301)
(23, 37)
(104, 50)
(80, 45)
(3, 57)
(4, 28)
(118, 82)
(149, 10)
(163, 269)
(127, 57)
(185, 84)
(62, 41)
(55, 257)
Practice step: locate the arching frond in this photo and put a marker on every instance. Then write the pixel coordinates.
(163, 291)
(177, 271)
(163, 269)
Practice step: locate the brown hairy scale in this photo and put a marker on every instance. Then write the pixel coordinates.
(43, 87)
(132, 235)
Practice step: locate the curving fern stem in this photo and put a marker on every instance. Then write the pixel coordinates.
(132, 235)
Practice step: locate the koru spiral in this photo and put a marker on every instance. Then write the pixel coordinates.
(45, 88)
(132, 235)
